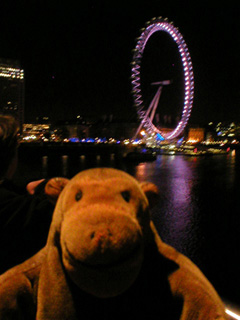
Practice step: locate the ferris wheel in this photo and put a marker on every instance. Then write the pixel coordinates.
(146, 116)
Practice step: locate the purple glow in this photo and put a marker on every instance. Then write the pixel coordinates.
(160, 24)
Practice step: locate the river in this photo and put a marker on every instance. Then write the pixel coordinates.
(198, 212)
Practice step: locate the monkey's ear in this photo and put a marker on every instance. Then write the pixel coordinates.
(54, 187)
(151, 191)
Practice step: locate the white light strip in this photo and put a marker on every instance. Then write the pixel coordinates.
(232, 314)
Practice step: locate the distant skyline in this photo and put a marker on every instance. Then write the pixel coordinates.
(77, 59)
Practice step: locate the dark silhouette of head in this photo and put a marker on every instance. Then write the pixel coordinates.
(9, 132)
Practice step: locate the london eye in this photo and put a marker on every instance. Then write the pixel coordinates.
(146, 115)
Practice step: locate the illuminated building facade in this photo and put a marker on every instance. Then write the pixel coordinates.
(196, 134)
(12, 89)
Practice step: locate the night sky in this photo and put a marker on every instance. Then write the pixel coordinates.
(77, 58)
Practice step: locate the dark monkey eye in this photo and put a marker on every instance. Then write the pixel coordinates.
(126, 195)
(78, 196)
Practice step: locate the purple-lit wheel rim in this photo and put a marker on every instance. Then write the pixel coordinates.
(159, 24)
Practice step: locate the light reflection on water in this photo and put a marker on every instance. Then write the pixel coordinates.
(198, 212)
(176, 216)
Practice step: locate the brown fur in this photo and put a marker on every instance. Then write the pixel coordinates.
(104, 258)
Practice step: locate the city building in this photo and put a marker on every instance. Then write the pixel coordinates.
(117, 129)
(12, 89)
(35, 132)
(196, 135)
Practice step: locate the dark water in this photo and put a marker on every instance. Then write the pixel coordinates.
(199, 210)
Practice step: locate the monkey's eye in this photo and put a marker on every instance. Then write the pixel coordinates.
(78, 195)
(126, 195)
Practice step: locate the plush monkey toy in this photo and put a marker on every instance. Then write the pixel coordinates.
(104, 259)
